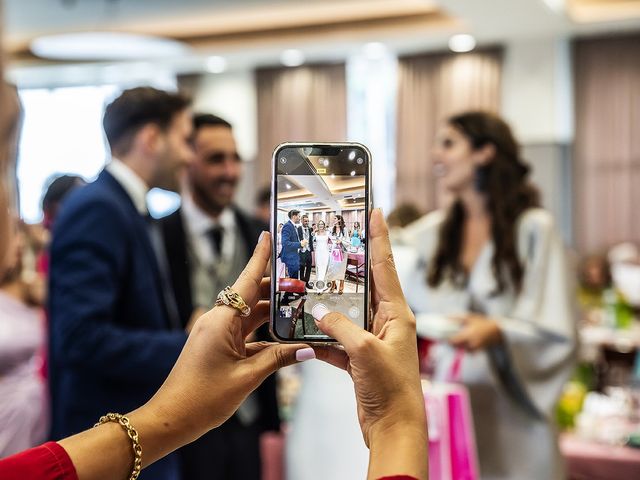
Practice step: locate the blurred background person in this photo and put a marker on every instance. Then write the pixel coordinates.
(263, 205)
(403, 215)
(594, 278)
(208, 242)
(24, 412)
(494, 266)
(114, 342)
(59, 186)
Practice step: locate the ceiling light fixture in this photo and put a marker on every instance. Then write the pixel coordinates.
(105, 46)
(292, 58)
(374, 50)
(216, 64)
(462, 43)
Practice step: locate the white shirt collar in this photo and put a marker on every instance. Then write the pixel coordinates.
(199, 222)
(135, 187)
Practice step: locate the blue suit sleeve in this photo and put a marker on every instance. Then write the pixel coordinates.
(88, 258)
(289, 238)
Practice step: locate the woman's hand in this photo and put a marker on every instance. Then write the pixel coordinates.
(478, 333)
(384, 367)
(215, 372)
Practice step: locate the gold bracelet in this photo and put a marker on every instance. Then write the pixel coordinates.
(133, 435)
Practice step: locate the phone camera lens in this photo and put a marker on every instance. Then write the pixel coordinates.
(283, 160)
(360, 161)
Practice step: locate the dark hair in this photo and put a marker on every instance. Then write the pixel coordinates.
(58, 188)
(340, 224)
(136, 108)
(208, 120)
(305, 216)
(263, 196)
(504, 182)
(293, 212)
(403, 215)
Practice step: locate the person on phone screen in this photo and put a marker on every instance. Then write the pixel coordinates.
(322, 249)
(338, 261)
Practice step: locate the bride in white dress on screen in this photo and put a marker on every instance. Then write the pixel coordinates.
(322, 250)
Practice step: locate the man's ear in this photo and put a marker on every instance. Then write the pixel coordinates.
(149, 137)
(484, 154)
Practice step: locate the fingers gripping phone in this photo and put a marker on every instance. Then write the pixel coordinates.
(320, 204)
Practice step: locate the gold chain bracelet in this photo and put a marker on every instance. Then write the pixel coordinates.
(133, 435)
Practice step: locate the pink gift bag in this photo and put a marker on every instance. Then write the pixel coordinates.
(452, 446)
(337, 255)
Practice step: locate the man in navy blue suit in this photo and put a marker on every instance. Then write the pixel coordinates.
(115, 331)
(291, 245)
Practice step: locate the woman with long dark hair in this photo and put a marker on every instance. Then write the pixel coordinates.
(493, 265)
(338, 263)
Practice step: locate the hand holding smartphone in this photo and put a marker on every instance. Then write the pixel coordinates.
(320, 194)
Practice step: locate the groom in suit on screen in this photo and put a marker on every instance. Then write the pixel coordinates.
(291, 245)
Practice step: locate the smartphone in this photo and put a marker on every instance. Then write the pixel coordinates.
(320, 205)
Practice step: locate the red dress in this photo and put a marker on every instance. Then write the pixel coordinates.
(46, 462)
(51, 462)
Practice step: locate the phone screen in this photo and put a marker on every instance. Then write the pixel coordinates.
(321, 202)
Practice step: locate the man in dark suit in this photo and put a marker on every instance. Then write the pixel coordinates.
(115, 332)
(306, 260)
(208, 243)
(291, 244)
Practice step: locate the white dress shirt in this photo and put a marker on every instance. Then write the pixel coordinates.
(199, 224)
(135, 187)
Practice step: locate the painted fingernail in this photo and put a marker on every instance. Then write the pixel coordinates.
(319, 310)
(305, 354)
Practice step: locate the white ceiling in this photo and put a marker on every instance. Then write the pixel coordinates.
(491, 21)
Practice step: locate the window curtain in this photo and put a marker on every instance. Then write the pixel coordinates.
(606, 159)
(299, 104)
(432, 87)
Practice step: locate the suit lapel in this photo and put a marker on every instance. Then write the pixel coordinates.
(140, 230)
(175, 239)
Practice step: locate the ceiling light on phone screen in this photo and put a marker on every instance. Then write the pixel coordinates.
(325, 162)
(360, 161)
(353, 173)
(288, 187)
(333, 175)
(352, 155)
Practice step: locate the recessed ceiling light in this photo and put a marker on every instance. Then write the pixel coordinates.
(374, 50)
(556, 6)
(105, 46)
(333, 175)
(292, 58)
(216, 64)
(462, 43)
(353, 173)
(288, 187)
